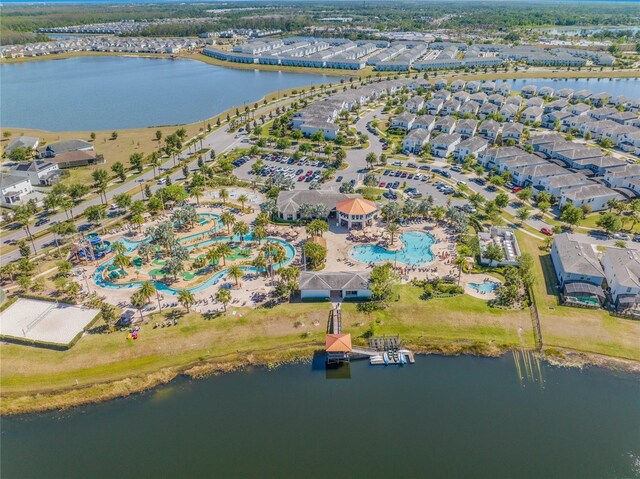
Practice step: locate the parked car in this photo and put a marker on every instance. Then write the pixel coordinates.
(546, 231)
(621, 236)
(339, 179)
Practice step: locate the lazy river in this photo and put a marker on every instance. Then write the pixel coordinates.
(131, 246)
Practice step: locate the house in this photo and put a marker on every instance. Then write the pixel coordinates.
(28, 142)
(595, 196)
(578, 109)
(467, 128)
(534, 174)
(509, 112)
(356, 212)
(424, 122)
(536, 101)
(622, 270)
(546, 91)
(531, 115)
(555, 184)
(512, 131)
(619, 176)
(489, 129)
(39, 172)
(473, 86)
(486, 110)
(415, 140)
(470, 108)
(443, 145)
(72, 159)
(321, 284)
(289, 203)
(471, 146)
(598, 164)
(445, 125)
(517, 163)
(13, 188)
(403, 121)
(434, 106)
(414, 105)
(528, 91)
(578, 270)
(624, 117)
(54, 149)
(506, 240)
(450, 107)
(329, 130)
(555, 119)
(496, 99)
(457, 85)
(493, 156)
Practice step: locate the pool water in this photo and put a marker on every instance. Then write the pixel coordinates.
(485, 287)
(416, 250)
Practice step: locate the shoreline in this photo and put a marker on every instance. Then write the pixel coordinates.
(67, 398)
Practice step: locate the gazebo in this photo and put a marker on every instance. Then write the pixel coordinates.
(356, 212)
(338, 347)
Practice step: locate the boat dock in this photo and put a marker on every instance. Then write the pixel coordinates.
(384, 351)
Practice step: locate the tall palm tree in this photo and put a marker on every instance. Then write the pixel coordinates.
(138, 301)
(243, 199)
(224, 195)
(460, 262)
(118, 247)
(393, 229)
(213, 255)
(260, 263)
(196, 192)
(223, 296)
(224, 250)
(24, 216)
(236, 273)
(259, 233)
(186, 299)
(228, 219)
(241, 229)
(148, 290)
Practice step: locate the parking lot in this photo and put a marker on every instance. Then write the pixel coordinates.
(304, 172)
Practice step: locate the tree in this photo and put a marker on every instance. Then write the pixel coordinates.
(524, 194)
(95, 213)
(241, 230)
(118, 170)
(223, 194)
(371, 159)
(571, 215)
(158, 135)
(243, 199)
(174, 267)
(223, 296)
(493, 253)
(317, 227)
(259, 233)
(228, 220)
(224, 250)
(114, 135)
(393, 229)
(196, 192)
(136, 160)
(502, 200)
(122, 201)
(381, 282)
(138, 301)
(101, 180)
(544, 206)
(186, 299)
(147, 290)
(609, 222)
(23, 215)
(314, 254)
(236, 272)
(523, 214)
(108, 314)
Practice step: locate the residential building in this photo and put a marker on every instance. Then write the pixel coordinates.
(39, 172)
(339, 285)
(13, 188)
(622, 270)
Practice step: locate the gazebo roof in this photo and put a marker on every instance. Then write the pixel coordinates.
(356, 206)
(338, 343)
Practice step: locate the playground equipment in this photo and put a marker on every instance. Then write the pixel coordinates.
(93, 247)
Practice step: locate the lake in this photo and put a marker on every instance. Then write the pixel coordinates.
(441, 417)
(104, 93)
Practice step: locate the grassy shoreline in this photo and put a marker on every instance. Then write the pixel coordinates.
(100, 392)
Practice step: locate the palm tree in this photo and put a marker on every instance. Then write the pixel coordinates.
(196, 192)
(223, 195)
(240, 229)
(213, 255)
(259, 233)
(138, 301)
(24, 216)
(118, 247)
(393, 229)
(260, 263)
(438, 213)
(228, 219)
(122, 260)
(186, 299)
(148, 290)
(236, 273)
(460, 261)
(223, 296)
(317, 228)
(224, 250)
(243, 199)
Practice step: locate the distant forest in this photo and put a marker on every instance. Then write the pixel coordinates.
(20, 21)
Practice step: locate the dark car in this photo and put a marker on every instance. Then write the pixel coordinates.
(446, 174)
(339, 179)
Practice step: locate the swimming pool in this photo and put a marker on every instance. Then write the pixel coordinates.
(485, 287)
(416, 250)
(99, 280)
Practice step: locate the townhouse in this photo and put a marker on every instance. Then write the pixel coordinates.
(443, 145)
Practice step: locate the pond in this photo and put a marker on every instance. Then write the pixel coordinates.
(105, 93)
(441, 417)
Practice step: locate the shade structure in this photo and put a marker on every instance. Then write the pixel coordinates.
(356, 206)
(338, 343)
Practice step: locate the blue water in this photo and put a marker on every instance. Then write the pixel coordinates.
(629, 87)
(99, 280)
(485, 287)
(416, 250)
(105, 93)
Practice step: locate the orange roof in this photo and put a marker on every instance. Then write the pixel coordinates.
(338, 343)
(356, 206)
